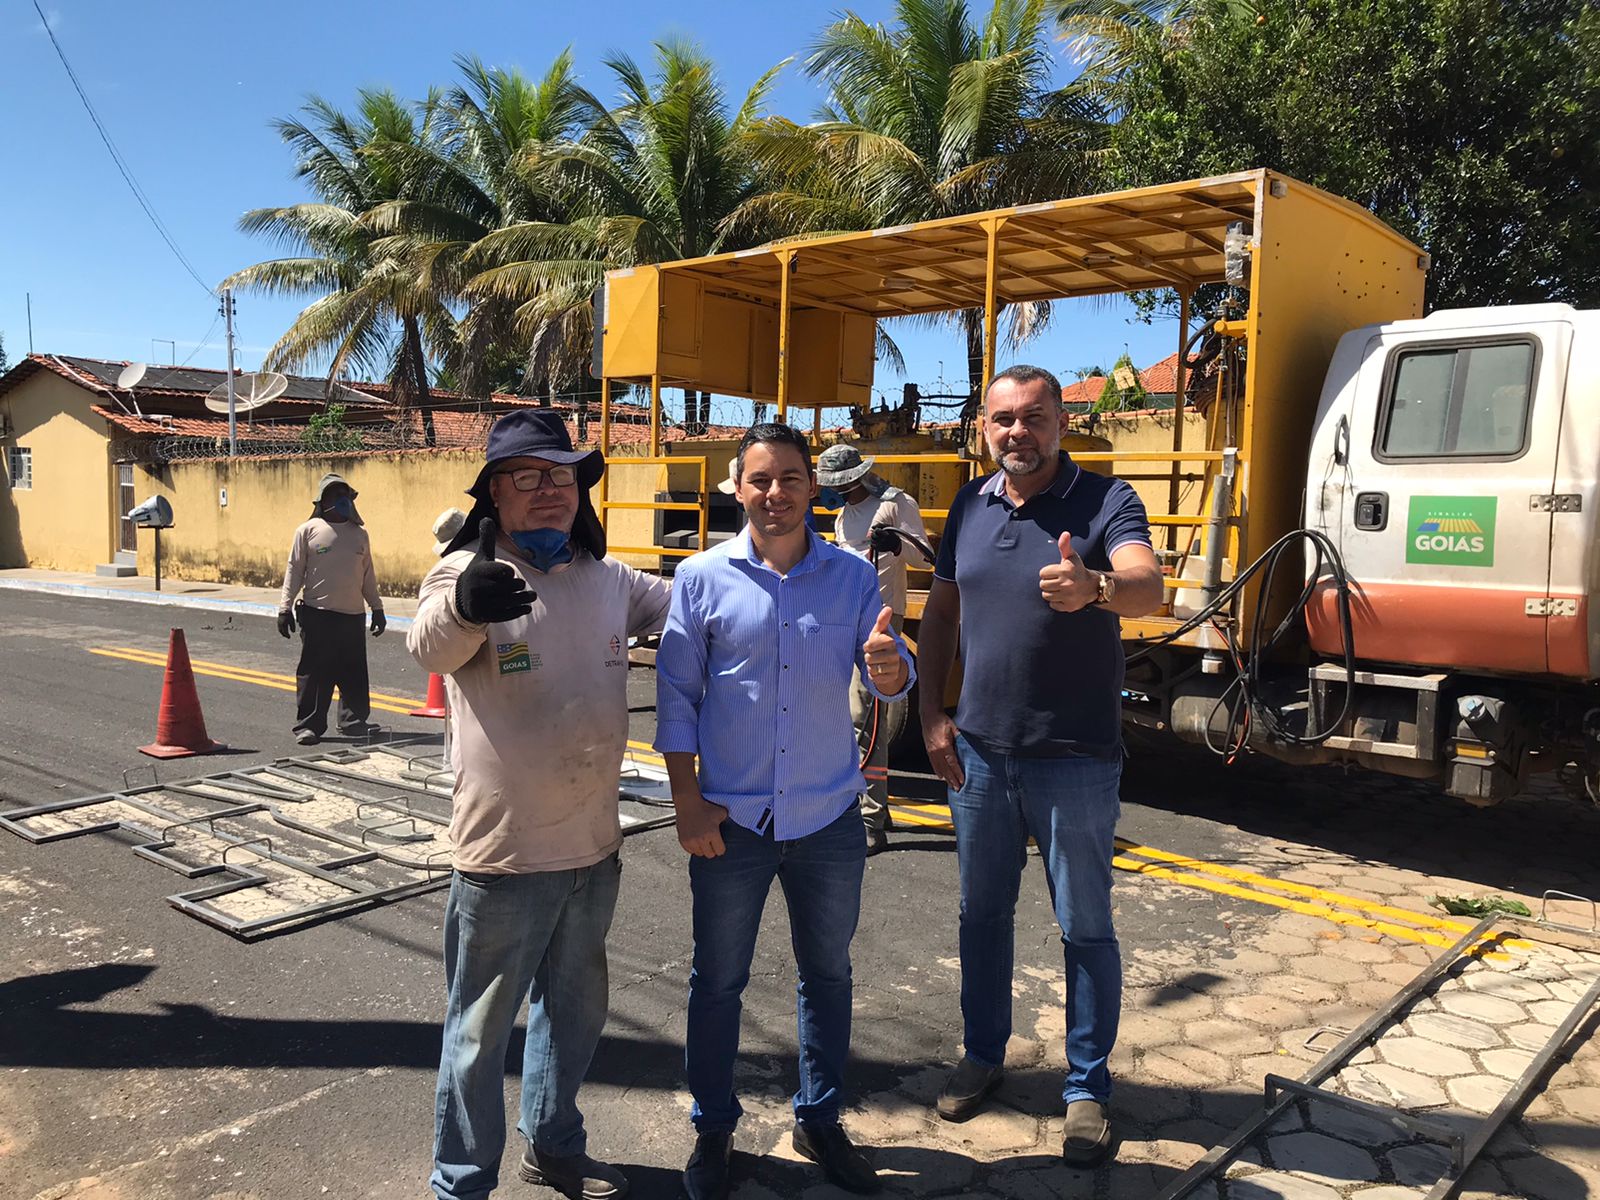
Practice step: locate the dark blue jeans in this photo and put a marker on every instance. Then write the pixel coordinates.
(821, 879)
(1069, 806)
(539, 938)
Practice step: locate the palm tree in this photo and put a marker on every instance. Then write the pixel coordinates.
(654, 178)
(374, 309)
(474, 175)
(1104, 34)
(931, 117)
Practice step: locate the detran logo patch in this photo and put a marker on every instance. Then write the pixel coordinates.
(1454, 531)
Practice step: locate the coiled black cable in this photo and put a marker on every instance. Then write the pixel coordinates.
(1248, 681)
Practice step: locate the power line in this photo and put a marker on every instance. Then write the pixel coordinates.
(116, 157)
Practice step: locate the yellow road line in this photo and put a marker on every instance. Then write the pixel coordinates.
(234, 676)
(1298, 889)
(232, 669)
(1326, 905)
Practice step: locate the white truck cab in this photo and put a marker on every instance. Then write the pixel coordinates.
(1454, 463)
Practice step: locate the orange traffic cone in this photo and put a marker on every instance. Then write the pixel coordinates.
(180, 727)
(436, 704)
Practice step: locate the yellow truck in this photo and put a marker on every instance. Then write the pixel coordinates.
(1385, 552)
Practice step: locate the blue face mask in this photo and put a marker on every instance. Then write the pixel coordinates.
(545, 547)
(830, 498)
(344, 506)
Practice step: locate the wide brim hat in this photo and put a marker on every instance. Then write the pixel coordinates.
(536, 433)
(842, 465)
(727, 484)
(321, 496)
(445, 528)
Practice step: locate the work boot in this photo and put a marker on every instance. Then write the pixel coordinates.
(1085, 1134)
(706, 1175)
(826, 1144)
(576, 1176)
(877, 842)
(307, 737)
(969, 1085)
(360, 729)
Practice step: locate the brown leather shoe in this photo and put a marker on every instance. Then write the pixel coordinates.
(969, 1085)
(1085, 1134)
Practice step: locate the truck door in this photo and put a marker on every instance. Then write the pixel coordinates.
(1452, 438)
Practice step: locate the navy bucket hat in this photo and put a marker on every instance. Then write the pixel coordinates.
(536, 433)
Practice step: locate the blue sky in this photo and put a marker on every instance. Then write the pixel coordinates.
(187, 91)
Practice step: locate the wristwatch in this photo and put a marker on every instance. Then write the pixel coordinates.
(1105, 588)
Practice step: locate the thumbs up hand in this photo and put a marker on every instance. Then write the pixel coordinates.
(488, 590)
(1068, 585)
(882, 654)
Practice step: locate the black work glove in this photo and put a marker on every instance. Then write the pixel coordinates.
(285, 622)
(379, 622)
(885, 540)
(490, 591)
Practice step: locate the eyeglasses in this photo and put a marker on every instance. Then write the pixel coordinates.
(529, 479)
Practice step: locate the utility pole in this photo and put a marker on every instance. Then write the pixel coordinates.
(233, 416)
(29, 296)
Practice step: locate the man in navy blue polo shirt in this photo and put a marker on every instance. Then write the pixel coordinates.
(1037, 562)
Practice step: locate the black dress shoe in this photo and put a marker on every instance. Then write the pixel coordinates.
(969, 1085)
(706, 1175)
(826, 1144)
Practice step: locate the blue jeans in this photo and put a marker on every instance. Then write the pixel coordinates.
(1069, 806)
(821, 879)
(542, 937)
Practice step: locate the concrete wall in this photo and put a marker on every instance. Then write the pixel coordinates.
(1152, 431)
(66, 522)
(246, 541)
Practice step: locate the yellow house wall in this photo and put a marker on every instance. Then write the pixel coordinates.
(1152, 431)
(247, 540)
(65, 522)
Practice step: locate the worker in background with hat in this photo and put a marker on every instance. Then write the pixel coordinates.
(883, 525)
(330, 570)
(529, 621)
(445, 527)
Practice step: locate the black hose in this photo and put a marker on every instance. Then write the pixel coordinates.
(1249, 680)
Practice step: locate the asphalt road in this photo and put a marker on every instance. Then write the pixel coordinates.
(143, 1054)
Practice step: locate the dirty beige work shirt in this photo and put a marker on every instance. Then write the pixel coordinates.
(853, 531)
(540, 709)
(332, 561)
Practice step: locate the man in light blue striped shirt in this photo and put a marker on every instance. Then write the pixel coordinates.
(753, 676)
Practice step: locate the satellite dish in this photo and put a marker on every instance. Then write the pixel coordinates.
(249, 391)
(131, 375)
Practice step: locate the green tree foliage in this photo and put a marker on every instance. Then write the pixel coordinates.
(1118, 396)
(377, 305)
(326, 432)
(936, 115)
(1471, 126)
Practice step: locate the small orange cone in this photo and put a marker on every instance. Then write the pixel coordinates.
(436, 704)
(180, 727)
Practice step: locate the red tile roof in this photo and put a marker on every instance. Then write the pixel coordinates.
(188, 426)
(1085, 391)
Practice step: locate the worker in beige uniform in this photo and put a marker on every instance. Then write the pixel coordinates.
(883, 525)
(330, 570)
(529, 621)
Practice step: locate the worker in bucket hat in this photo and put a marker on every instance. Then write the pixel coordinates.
(328, 587)
(883, 525)
(528, 620)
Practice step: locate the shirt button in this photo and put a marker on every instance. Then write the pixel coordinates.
(786, 624)
(785, 708)
(785, 666)
(782, 750)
